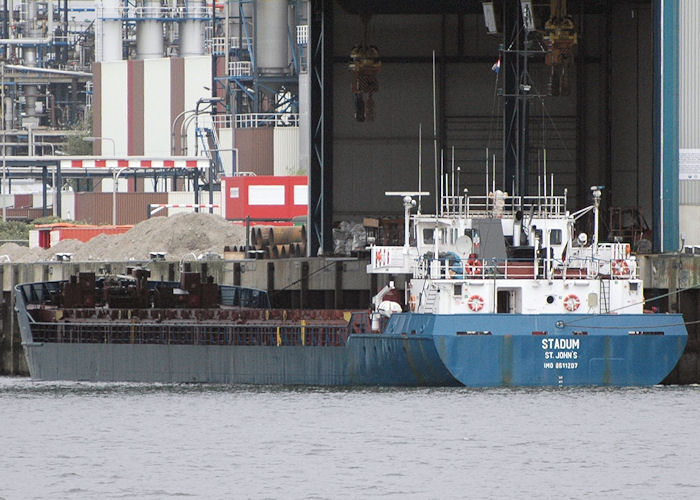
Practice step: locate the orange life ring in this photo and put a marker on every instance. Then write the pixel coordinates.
(473, 267)
(571, 303)
(412, 303)
(620, 268)
(475, 303)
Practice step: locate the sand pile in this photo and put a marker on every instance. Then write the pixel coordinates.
(180, 235)
(11, 252)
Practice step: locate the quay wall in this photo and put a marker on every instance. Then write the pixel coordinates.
(675, 279)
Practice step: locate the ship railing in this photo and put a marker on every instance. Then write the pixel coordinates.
(618, 269)
(359, 323)
(40, 293)
(474, 269)
(614, 251)
(503, 206)
(609, 259)
(447, 268)
(192, 333)
(454, 206)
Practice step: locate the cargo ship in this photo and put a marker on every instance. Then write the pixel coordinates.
(501, 291)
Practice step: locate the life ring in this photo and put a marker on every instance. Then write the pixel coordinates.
(620, 268)
(412, 303)
(571, 302)
(475, 303)
(473, 267)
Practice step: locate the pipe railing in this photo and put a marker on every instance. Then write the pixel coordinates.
(252, 120)
(445, 268)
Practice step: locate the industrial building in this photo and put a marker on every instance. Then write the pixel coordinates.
(368, 96)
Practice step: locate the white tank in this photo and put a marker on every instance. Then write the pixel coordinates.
(271, 37)
(236, 30)
(192, 29)
(149, 32)
(108, 31)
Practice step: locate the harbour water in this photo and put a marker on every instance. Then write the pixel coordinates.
(87, 440)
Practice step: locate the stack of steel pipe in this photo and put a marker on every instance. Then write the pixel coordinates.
(233, 252)
(278, 242)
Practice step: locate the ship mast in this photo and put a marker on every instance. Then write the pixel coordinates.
(516, 94)
(555, 44)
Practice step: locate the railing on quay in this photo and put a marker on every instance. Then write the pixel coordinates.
(251, 120)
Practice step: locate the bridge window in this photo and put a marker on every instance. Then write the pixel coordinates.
(555, 237)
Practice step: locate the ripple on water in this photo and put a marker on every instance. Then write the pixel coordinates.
(88, 440)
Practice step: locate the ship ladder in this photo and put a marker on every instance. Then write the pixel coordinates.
(604, 296)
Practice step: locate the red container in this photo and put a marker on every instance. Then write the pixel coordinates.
(86, 233)
(50, 234)
(267, 197)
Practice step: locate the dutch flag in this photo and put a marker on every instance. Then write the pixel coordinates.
(496, 66)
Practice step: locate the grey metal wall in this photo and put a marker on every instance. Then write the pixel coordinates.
(629, 182)
(689, 98)
(689, 192)
(600, 134)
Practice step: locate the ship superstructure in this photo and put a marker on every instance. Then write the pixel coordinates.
(511, 254)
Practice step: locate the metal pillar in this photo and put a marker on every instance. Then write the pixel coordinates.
(44, 183)
(516, 105)
(320, 173)
(5, 22)
(666, 168)
(581, 181)
(57, 189)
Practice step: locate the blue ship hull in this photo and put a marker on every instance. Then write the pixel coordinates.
(415, 350)
(551, 350)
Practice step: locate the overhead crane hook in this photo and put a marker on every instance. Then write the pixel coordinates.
(561, 39)
(365, 65)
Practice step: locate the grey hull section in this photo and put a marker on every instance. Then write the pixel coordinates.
(187, 363)
(366, 360)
